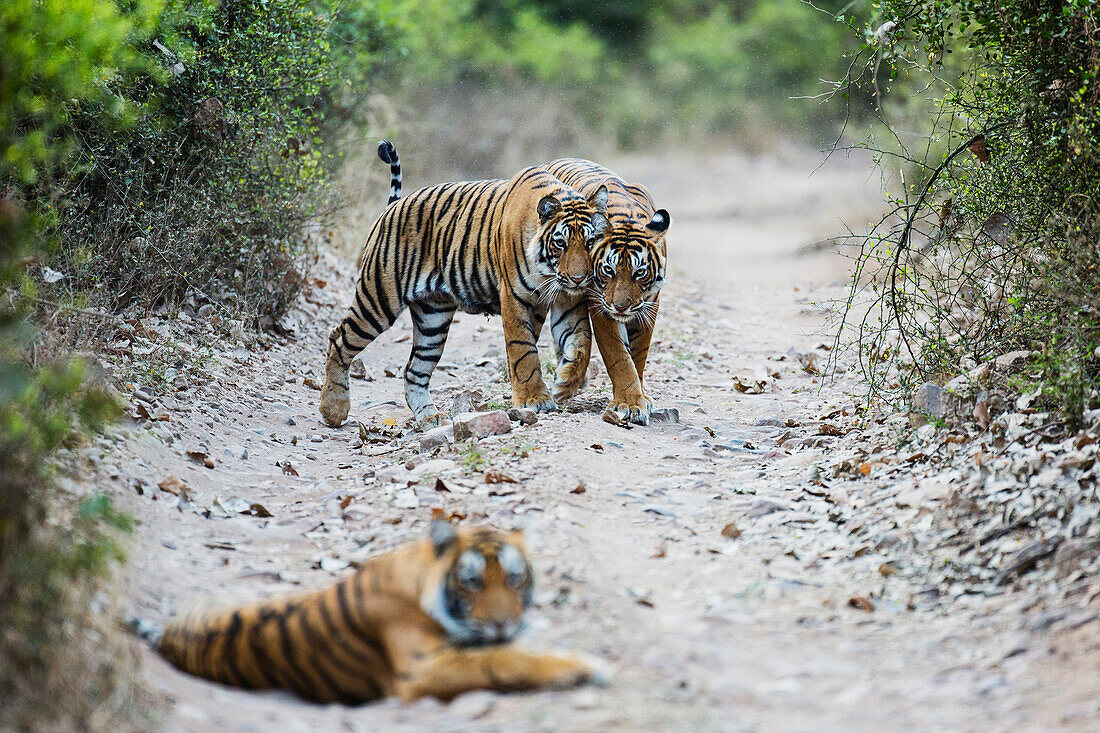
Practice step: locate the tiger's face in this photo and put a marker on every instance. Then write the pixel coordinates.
(482, 584)
(629, 268)
(569, 227)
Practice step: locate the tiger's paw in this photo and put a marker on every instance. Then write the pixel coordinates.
(539, 403)
(581, 669)
(335, 405)
(621, 412)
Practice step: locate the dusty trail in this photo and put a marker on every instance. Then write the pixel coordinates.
(705, 632)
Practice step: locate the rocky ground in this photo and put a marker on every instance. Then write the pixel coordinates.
(768, 557)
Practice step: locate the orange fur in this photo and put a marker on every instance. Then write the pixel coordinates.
(500, 247)
(628, 273)
(430, 618)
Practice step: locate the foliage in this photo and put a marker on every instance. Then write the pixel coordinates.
(210, 185)
(53, 56)
(994, 245)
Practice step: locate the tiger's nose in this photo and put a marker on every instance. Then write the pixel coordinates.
(578, 279)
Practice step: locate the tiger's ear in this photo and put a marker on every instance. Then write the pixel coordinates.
(547, 207)
(442, 535)
(598, 200)
(599, 223)
(659, 222)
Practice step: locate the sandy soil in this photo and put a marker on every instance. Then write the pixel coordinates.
(704, 632)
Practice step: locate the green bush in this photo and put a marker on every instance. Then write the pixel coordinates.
(54, 57)
(996, 248)
(210, 186)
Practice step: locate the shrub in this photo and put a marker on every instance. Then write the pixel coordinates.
(54, 56)
(994, 246)
(210, 186)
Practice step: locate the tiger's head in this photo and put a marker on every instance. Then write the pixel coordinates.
(629, 267)
(569, 226)
(480, 584)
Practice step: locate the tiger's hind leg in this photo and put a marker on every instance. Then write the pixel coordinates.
(572, 332)
(431, 322)
(361, 326)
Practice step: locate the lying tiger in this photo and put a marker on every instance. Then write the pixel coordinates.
(516, 248)
(430, 618)
(628, 274)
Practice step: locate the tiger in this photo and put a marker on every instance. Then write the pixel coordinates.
(628, 274)
(502, 247)
(431, 618)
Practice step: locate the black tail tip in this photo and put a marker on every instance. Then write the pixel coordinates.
(387, 152)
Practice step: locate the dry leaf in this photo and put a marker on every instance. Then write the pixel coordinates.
(660, 552)
(391, 422)
(173, 485)
(493, 477)
(863, 604)
(288, 468)
(440, 486)
(345, 502)
(887, 569)
(978, 147)
(730, 531)
(596, 447)
(311, 383)
(579, 490)
(749, 385)
(258, 510)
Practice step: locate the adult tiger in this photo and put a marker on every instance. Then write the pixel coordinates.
(430, 618)
(507, 247)
(628, 273)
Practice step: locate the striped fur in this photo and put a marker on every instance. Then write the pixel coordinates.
(430, 618)
(507, 247)
(628, 274)
(388, 154)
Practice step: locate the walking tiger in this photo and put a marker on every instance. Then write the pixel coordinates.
(515, 247)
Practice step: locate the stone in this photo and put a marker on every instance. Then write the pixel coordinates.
(523, 415)
(763, 507)
(357, 370)
(437, 437)
(928, 400)
(481, 424)
(665, 416)
(468, 400)
(770, 421)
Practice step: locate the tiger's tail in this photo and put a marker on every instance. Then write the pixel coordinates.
(310, 645)
(388, 153)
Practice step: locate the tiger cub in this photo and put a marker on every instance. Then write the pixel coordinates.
(507, 247)
(628, 273)
(429, 618)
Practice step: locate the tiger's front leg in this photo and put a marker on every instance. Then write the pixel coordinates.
(628, 402)
(572, 332)
(449, 671)
(639, 334)
(521, 327)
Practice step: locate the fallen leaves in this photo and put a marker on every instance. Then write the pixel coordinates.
(311, 383)
(173, 485)
(201, 457)
(730, 531)
(495, 477)
(288, 468)
(749, 385)
(861, 603)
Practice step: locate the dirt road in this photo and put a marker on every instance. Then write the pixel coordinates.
(704, 631)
